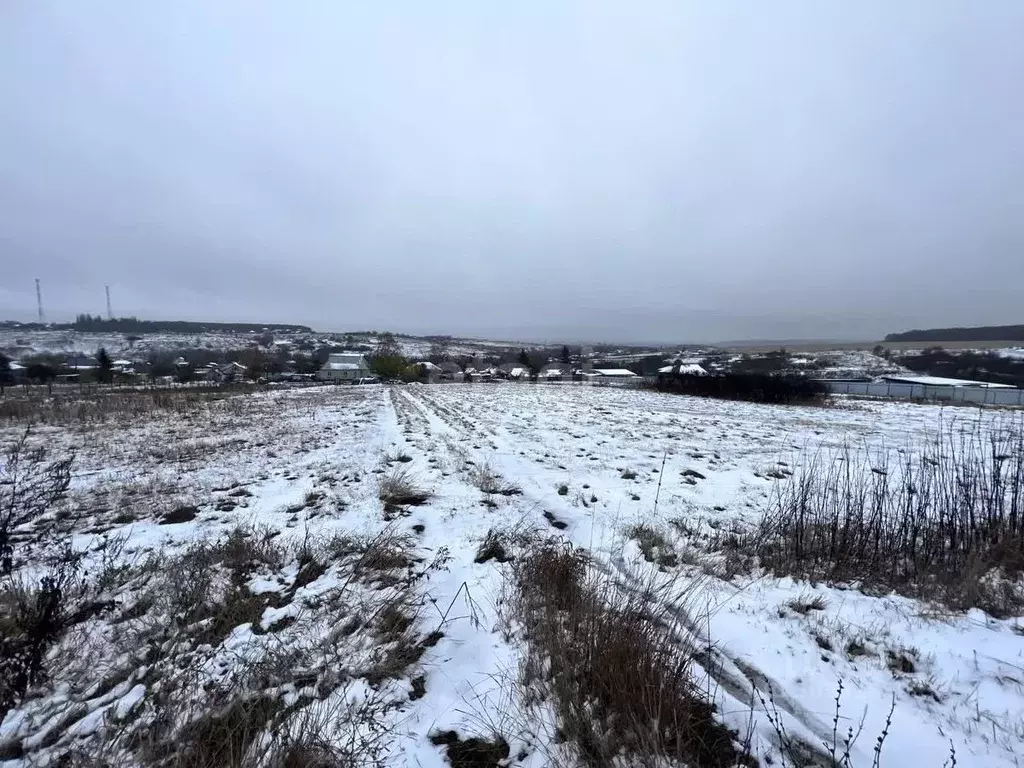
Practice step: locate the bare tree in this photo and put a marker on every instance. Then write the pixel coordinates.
(440, 349)
(388, 361)
(387, 346)
(29, 486)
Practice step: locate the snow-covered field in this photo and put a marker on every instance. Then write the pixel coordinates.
(19, 343)
(589, 463)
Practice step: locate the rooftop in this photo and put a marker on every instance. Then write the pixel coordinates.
(942, 381)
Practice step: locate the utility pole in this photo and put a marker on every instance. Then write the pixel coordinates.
(39, 301)
(110, 315)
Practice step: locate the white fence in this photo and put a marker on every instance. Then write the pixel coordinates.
(979, 395)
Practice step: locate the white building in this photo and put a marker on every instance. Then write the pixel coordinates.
(942, 381)
(688, 369)
(609, 375)
(344, 366)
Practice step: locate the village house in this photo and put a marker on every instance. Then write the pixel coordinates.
(222, 373)
(610, 375)
(450, 371)
(685, 369)
(556, 371)
(344, 367)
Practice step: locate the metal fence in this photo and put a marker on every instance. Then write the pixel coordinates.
(979, 395)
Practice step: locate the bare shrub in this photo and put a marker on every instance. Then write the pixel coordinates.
(399, 488)
(617, 671)
(32, 617)
(839, 749)
(30, 483)
(944, 521)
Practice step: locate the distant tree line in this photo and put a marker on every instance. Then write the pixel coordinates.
(752, 387)
(979, 333)
(98, 324)
(976, 366)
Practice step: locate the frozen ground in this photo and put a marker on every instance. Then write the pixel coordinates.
(588, 462)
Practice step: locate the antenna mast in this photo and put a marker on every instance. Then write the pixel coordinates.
(39, 301)
(110, 315)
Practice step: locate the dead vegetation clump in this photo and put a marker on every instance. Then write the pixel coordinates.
(473, 752)
(487, 479)
(399, 488)
(655, 547)
(612, 664)
(493, 547)
(805, 603)
(943, 522)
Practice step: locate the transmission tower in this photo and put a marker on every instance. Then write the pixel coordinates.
(110, 315)
(39, 302)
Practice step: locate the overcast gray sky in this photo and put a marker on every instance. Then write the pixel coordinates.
(593, 170)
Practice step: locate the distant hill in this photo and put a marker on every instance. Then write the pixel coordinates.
(96, 324)
(981, 333)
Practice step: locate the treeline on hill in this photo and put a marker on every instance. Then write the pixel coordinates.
(980, 333)
(98, 324)
(752, 387)
(976, 366)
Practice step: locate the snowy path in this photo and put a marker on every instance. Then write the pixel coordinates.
(590, 440)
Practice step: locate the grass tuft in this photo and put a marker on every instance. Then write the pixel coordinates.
(654, 546)
(399, 488)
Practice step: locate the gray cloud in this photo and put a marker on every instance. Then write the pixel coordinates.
(676, 171)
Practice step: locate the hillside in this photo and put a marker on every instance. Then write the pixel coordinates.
(979, 333)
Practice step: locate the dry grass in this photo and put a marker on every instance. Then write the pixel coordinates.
(655, 547)
(615, 669)
(494, 547)
(210, 703)
(487, 479)
(72, 406)
(399, 488)
(944, 522)
(804, 604)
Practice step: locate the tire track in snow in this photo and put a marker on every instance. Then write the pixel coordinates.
(740, 679)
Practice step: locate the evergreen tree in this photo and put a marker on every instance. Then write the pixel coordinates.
(5, 371)
(105, 365)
